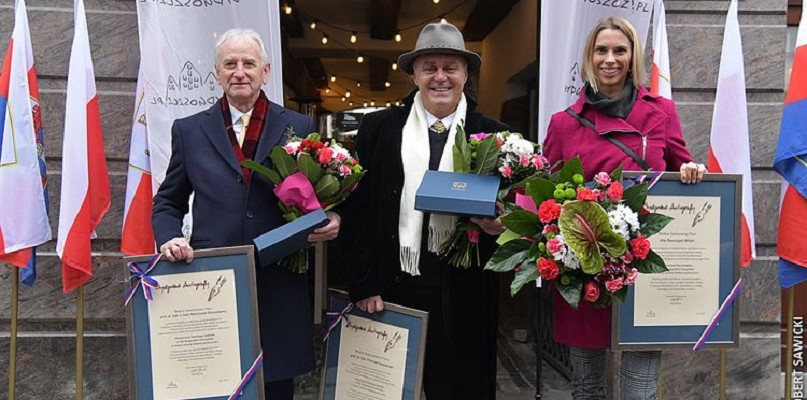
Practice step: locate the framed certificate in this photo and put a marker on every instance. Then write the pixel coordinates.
(701, 248)
(374, 356)
(199, 335)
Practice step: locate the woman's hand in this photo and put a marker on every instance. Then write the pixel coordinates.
(692, 172)
(371, 304)
(491, 226)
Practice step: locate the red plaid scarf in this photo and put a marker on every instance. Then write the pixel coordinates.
(253, 134)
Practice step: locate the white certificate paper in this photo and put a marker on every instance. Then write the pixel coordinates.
(687, 294)
(193, 327)
(372, 360)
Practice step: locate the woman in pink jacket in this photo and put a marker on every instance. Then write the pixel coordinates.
(616, 121)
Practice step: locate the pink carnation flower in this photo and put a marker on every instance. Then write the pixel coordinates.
(507, 172)
(613, 285)
(602, 179)
(479, 136)
(524, 160)
(344, 170)
(554, 245)
(631, 279)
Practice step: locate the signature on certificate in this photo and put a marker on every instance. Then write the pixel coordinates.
(380, 335)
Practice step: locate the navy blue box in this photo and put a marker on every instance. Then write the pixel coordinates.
(457, 194)
(288, 238)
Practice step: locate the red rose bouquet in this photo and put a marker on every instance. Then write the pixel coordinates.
(309, 174)
(507, 154)
(591, 240)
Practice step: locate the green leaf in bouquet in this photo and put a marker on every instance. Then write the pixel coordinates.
(508, 255)
(652, 264)
(585, 226)
(570, 169)
(620, 294)
(461, 152)
(522, 222)
(282, 162)
(310, 168)
(507, 236)
(652, 223)
(540, 189)
(635, 197)
(571, 292)
(326, 187)
(487, 155)
(270, 174)
(616, 175)
(526, 274)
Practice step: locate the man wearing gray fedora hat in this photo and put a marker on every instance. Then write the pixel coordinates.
(393, 246)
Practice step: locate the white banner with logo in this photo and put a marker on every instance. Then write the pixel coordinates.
(564, 28)
(177, 58)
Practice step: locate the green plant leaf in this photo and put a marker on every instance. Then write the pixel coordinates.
(507, 236)
(487, 155)
(616, 175)
(571, 293)
(346, 185)
(267, 172)
(585, 227)
(522, 222)
(282, 162)
(540, 189)
(310, 168)
(326, 187)
(461, 152)
(572, 167)
(652, 223)
(508, 255)
(652, 264)
(635, 197)
(528, 273)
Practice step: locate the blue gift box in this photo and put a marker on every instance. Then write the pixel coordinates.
(457, 194)
(288, 238)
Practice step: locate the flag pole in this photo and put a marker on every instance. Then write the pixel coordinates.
(80, 343)
(722, 388)
(12, 357)
(789, 345)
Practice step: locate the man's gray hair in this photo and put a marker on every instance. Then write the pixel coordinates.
(243, 35)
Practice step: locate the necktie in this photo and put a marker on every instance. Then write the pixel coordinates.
(438, 127)
(243, 132)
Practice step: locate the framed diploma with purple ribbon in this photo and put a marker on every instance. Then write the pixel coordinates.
(375, 356)
(193, 327)
(692, 304)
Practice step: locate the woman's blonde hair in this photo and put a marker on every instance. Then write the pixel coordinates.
(637, 69)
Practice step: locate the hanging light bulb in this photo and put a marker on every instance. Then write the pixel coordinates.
(360, 59)
(313, 24)
(327, 90)
(353, 37)
(365, 104)
(358, 83)
(443, 20)
(324, 39)
(347, 93)
(394, 66)
(372, 103)
(436, 1)
(387, 84)
(343, 98)
(397, 36)
(287, 9)
(351, 104)
(333, 78)
(388, 104)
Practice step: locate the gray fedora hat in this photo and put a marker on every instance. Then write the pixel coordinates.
(439, 38)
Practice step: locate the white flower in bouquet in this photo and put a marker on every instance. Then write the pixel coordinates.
(624, 221)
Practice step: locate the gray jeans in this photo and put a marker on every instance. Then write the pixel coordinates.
(638, 374)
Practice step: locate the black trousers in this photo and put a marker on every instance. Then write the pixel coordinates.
(460, 361)
(279, 390)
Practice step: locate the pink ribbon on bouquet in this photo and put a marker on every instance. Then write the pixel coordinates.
(296, 191)
(526, 203)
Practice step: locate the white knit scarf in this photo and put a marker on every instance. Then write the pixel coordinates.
(415, 156)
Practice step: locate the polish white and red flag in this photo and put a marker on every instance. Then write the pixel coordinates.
(24, 216)
(660, 73)
(85, 181)
(137, 236)
(729, 144)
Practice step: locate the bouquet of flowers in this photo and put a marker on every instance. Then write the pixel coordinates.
(507, 154)
(309, 174)
(591, 240)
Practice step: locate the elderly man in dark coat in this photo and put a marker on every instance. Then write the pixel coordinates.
(231, 206)
(392, 257)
